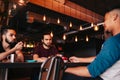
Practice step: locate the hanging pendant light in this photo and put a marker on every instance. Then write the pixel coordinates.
(58, 20)
(81, 27)
(92, 24)
(87, 39)
(70, 21)
(70, 24)
(96, 28)
(44, 17)
(64, 37)
(76, 39)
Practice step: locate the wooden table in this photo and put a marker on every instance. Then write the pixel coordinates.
(4, 67)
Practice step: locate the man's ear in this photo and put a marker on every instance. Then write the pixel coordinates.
(115, 16)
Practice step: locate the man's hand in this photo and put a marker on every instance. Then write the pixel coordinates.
(19, 45)
(42, 59)
(74, 59)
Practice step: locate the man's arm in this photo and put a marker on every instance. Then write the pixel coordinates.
(5, 54)
(85, 60)
(39, 59)
(79, 71)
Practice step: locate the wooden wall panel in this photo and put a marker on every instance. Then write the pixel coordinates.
(70, 9)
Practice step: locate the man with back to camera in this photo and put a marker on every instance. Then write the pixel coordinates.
(106, 64)
(46, 49)
(8, 38)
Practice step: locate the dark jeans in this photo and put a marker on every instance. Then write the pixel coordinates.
(68, 76)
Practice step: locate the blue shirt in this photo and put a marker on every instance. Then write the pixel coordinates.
(109, 54)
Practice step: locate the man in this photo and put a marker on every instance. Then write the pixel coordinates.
(6, 46)
(45, 50)
(107, 62)
(75, 59)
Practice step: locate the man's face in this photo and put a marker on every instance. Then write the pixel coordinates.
(47, 40)
(108, 22)
(10, 36)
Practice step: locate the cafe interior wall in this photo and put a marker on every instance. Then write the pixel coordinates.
(82, 48)
(26, 30)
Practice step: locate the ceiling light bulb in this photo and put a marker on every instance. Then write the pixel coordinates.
(96, 28)
(81, 27)
(76, 39)
(58, 21)
(70, 24)
(44, 18)
(92, 24)
(64, 37)
(87, 39)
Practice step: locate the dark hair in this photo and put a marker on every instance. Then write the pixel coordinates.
(4, 29)
(45, 33)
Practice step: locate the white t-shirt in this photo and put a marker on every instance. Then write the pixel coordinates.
(113, 73)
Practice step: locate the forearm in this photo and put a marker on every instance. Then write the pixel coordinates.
(79, 71)
(19, 57)
(39, 59)
(87, 60)
(5, 54)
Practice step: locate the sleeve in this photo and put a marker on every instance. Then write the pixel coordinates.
(108, 55)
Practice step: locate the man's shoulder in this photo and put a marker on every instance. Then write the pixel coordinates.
(112, 39)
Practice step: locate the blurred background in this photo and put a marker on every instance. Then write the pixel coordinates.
(76, 25)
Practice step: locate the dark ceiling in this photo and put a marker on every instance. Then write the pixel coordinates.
(98, 6)
(37, 28)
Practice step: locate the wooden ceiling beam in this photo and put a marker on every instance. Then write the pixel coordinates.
(32, 17)
(70, 9)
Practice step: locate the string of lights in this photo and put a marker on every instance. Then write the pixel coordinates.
(86, 28)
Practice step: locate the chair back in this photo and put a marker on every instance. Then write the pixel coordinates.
(52, 69)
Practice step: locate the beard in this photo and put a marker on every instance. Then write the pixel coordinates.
(12, 43)
(47, 45)
(8, 41)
